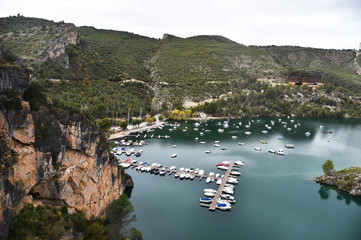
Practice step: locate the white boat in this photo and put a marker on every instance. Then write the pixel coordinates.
(187, 176)
(209, 190)
(193, 176)
(211, 174)
(235, 173)
(181, 169)
(173, 155)
(162, 172)
(195, 129)
(201, 172)
(182, 175)
(219, 181)
(241, 143)
(238, 163)
(217, 141)
(207, 131)
(173, 168)
(240, 123)
(227, 196)
(159, 165)
(228, 191)
(289, 145)
(216, 145)
(201, 133)
(257, 149)
(125, 165)
(174, 146)
(208, 180)
(280, 153)
(208, 151)
(186, 169)
(248, 133)
(289, 129)
(248, 126)
(232, 180)
(222, 168)
(209, 194)
(196, 124)
(271, 151)
(220, 130)
(307, 134)
(264, 131)
(234, 137)
(134, 161)
(196, 139)
(203, 142)
(176, 174)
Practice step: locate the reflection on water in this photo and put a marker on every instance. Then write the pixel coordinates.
(325, 193)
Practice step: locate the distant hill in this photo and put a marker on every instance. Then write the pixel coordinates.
(118, 71)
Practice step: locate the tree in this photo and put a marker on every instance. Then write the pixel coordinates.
(328, 167)
(104, 124)
(161, 118)
(119, 216)
(123, 124)
(149, 120)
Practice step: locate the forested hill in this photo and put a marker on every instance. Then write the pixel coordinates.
(108, 73)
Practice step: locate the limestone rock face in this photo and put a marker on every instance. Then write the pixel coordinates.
(54, 158)
(55, 50)
(15, 78)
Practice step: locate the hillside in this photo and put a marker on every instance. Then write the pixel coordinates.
(110, 73)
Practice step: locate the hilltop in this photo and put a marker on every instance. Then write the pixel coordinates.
(110, 73)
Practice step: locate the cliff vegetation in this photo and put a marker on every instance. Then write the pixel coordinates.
(110, 73)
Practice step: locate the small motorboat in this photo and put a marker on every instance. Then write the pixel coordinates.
(223, 206)
(208, 151)
(248, 133)
(216, 145)
(289, 146)
(238, 163)
(205, 200)
(173, 155)
(222, 168)
(232, 180)
(223, 148)
(209, 190)
(219, 181)
(264, 131)
(307, 134)
(263, 142)
(209, 194)
(241, 143)
(257, 149)
(203, 142)
(235, 173)
(234, 137)
(271, 151)
(217, 141)
(220, 130)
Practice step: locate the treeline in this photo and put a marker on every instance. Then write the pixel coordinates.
(46, 222)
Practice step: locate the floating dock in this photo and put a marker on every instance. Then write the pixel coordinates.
(221, 186)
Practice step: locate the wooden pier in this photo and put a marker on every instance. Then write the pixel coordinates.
(221, 186)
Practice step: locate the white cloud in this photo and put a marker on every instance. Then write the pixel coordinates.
(323, 23)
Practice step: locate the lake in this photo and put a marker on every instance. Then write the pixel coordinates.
(276, 197)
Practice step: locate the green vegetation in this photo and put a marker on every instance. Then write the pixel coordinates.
(328, 167)
(45, 222)
(123, 125)
(10, 99)
(112, 73)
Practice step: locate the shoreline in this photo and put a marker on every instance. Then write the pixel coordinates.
(143, 127)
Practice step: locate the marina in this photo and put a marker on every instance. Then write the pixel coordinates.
(270, 185)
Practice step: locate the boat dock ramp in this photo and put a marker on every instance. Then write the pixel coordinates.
(213, 205)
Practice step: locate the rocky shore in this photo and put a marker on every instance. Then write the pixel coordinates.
(348, 180)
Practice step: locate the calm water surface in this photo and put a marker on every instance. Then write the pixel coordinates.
(276, 197)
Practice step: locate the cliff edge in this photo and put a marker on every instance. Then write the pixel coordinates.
(50, 156)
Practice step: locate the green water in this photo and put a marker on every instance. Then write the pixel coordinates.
(276, 197)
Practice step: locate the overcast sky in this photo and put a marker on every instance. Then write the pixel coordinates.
(309, 23)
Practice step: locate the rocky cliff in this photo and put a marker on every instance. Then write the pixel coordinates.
(348, 180)
(55, 50)
(54, 158)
